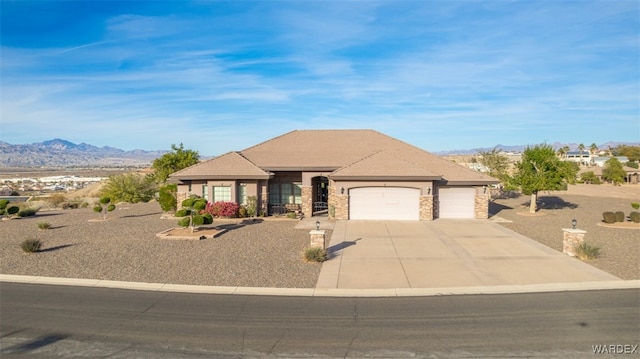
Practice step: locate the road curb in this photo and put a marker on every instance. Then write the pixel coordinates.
(317, 292)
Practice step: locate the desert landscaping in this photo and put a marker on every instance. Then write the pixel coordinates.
(267, 252)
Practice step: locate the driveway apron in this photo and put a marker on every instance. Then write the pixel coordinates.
(443, 253)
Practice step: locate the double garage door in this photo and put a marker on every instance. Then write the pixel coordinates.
(401, 203)
(397, 203)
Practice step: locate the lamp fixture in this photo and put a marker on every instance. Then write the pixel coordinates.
(484, 189)
(341, 190)
(317, 225)
(428, 191)
(573, 223)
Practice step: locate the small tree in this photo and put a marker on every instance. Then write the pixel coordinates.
(104, 206)
(173, 161)
(613, 171)
(541, 170)
(194, 205)
(167, 197)
(497, 163)
(56, 199)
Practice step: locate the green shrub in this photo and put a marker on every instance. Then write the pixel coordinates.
(635, 205)
(128, 187)
(182, 212)
(4, 203)
(184, 222)
(13, 210)
(167, 197)
(31, 245)
(27, 212)
(44, 225)
(608, 217)
(208, 218)
(315, 254)
(97, 208)
(242, 212)
(198, 220)
(291, 215)
(586, 252)
(634, 217)
(619, 216)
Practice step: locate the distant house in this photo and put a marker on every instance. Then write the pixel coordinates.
(601, 160)
(583, 158)
(349, 174)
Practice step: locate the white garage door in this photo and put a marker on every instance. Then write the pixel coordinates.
(456, 202)
(384, 203)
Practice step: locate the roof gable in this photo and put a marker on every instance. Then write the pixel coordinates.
(231, 165)
(384, 165)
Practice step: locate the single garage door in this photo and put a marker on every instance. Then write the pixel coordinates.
(456, 202)
(384, 203)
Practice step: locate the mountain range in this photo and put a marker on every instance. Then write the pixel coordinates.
(62, 153)
(521, 148)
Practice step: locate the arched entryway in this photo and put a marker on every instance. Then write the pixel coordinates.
(320, 195)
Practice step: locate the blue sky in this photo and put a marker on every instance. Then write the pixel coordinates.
(224, 75)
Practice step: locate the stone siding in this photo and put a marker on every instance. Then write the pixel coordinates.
(307, 201)
(482, 206)
(426, 208)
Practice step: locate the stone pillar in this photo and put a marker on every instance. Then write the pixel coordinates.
(426, 208)
(307, 201)
(180, 197)
(571, 239)
(316, 237)
(482, 206)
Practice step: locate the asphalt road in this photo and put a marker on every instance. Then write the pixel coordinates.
(46, 321)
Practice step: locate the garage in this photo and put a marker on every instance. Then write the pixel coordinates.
(396, 203)
(456, 202)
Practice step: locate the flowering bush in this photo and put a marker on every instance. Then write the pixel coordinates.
(222, 209)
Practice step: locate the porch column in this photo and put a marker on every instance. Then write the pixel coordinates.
(307, 201)
(426, 208)
(482, 206)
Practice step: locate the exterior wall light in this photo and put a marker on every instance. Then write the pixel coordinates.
(428, 191)
(317, 225)
(573, 223)
(341, 190)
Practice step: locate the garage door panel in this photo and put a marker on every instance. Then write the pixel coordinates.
(384, 203)
(456, 202)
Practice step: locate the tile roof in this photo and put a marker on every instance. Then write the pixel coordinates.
(355, 153)
(231, 165)
(384, 165)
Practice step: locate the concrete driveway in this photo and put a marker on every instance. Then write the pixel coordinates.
(443, 253)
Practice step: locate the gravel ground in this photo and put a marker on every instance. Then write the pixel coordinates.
(620, 247)
(269, 253)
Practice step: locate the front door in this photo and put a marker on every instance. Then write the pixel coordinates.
(320, 194)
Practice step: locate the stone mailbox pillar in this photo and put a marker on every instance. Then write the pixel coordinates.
(571, 239)
(317, 238)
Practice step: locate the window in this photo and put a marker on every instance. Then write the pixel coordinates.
(205, 192)
(242, 194)
(221, 194)
(285, 193)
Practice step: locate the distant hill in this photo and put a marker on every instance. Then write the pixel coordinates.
(62, 153)
(521, 148)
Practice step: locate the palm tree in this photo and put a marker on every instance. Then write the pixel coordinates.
(581, 148)
(593, 148)
(565, 149)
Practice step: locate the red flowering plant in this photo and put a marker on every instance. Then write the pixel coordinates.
(222, 209)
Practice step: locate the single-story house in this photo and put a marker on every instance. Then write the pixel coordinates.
(347, 174)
